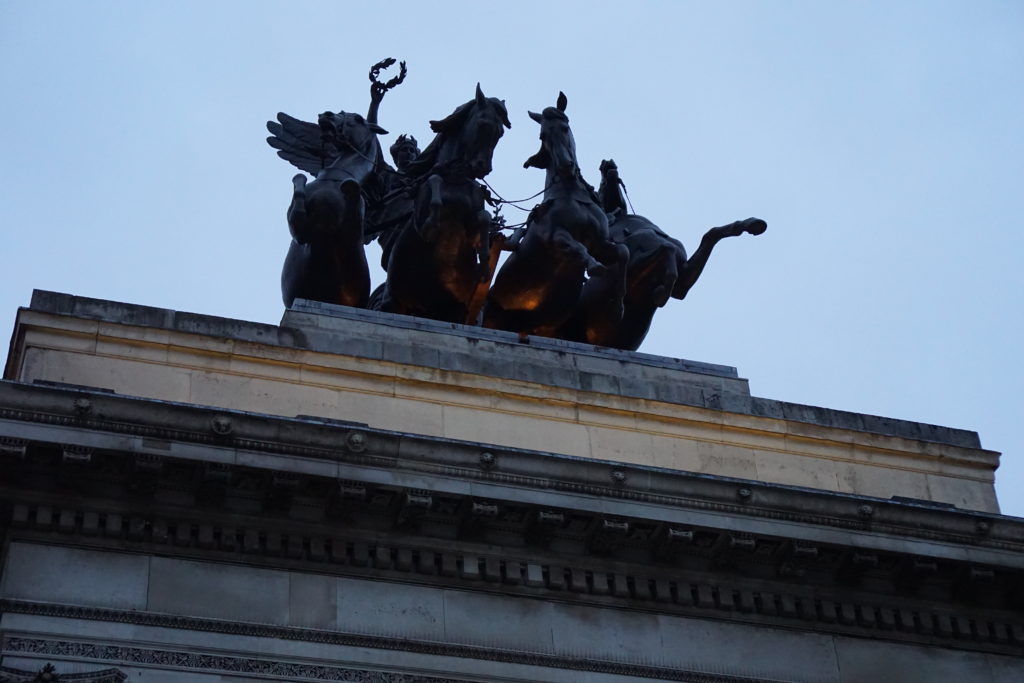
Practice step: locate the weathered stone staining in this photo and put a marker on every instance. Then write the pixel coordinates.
(569, 275)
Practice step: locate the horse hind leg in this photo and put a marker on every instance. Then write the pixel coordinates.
(668, 273)
(695, 264)
(355, 277)
(752, 226)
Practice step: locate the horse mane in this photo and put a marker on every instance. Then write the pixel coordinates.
(427, 159)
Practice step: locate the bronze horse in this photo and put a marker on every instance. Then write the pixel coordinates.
(566, 237)
(658, 269)
(326, 261)
(441, 261)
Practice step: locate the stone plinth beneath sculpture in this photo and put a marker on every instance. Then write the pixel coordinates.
(458, 382)
(366, 497)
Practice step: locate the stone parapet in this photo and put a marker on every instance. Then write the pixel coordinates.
(457, 382)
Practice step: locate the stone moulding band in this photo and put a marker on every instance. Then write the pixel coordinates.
(581, 580)
(659, 494)
(191, 660)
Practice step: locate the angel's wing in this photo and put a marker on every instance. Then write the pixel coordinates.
(299, 143)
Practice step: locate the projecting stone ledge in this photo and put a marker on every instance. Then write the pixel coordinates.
(463, 348)
(460, 382)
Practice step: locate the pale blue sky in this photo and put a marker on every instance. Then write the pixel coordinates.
(882, 142)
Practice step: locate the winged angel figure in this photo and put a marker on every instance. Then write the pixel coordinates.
(326, 261)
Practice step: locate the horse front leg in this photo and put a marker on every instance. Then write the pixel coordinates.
(352, 215)
(298, 218)
(430, 227)
(615, 305)
(694, 265)
(572, 249)
(483, 246)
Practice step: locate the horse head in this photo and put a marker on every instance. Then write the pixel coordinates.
(557, 145)
(466, 136)
(350, 134)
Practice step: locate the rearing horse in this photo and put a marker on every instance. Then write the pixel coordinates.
(326, 261)
(658, 269)
(441, 259)
(566, 237)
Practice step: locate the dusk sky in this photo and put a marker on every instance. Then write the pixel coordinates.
(883, 142)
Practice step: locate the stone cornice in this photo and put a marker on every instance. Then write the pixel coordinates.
(95, 469)
(152, 427)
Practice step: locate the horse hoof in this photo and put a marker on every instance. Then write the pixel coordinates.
(660, 295)
(755, 226)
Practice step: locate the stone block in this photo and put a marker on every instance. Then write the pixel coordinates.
(470, 567)
(128, 377)
(44, 516)
(872, 660)
(492, 569)
(218, 591)
(705, 596)
(75, 577)
(963, 493)
(556, 577)
(514, 430)
(392, 609)
(605, 634)
(20, 517)
(312, 601)
(578, 580)
(784, 468)
(592, 381)
(620, 445)
(509, 623)
(746, 651)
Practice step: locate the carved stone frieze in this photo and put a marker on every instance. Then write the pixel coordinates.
(161, 658)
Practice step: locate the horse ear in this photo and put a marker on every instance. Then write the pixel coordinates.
(376, 129)
(504, 115)
(480, 95)
(562, 101)
(536, 117)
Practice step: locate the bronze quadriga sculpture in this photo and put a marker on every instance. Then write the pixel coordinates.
(440, 259)
(566, 236)
(582, 267)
